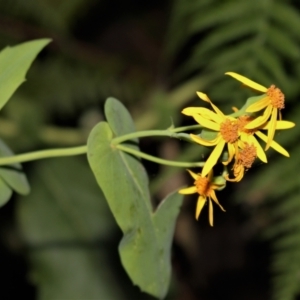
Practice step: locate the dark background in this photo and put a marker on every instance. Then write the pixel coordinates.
(60, 242)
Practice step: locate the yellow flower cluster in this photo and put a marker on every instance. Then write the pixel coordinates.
(239, 134)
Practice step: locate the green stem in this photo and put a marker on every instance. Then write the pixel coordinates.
(42, 154)
(138, 134)
(172, 132)
(160, 160)
(185, 128)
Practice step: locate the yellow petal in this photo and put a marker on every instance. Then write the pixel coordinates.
(248, 82)
(273, 144)
(237, 178)
(203, 96)
(214, 197)
(216, 109)
(244, 137)
(259, 121)
(189, 190)
(206, 123)
(194, 175)
(259, 150)
(210, 175)
(210, 213)
(280, 125)
(189, 111)
(259, 105)
(213, 158)
(240, 176)
(204, 112)
(271, 131)
(200, 204)
(279, 148)
(231, 152)
(209, 114)
(203, 142)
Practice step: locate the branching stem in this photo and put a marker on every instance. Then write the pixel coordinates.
(172, 132)
(42, 154)
(160, 160)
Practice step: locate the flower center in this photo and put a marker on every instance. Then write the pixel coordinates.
(247, 155)
(229, 131)
(276, 97)
(203, 186)
(242, 122)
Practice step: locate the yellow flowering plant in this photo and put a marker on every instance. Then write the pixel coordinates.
(112, 151)
(238, 131)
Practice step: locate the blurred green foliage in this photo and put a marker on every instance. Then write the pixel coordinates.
(152, 56)
(66, 223)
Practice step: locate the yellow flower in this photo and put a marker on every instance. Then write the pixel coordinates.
(226, 129)
(205, 187)
(243, 161)
(272, 102)
(231, 131)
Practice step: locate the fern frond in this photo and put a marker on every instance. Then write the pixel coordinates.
(216, 15)
(260, 40)
(228, 32)
(284, 45)
(287, 17)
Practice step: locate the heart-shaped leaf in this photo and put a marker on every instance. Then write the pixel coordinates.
(145, 247)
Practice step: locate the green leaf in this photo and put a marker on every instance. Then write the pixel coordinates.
(14, 63)
(13, 175)
(5, 192)
(145, 247)
(66, 224)
(118, 117)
